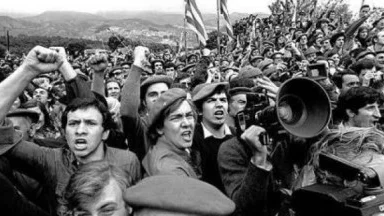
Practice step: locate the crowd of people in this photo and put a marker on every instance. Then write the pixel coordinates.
(157, 133)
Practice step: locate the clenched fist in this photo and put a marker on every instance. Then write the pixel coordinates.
(42, 60)
(141, 55)
(98, 63)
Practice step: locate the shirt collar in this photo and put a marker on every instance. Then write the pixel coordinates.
(208, 133)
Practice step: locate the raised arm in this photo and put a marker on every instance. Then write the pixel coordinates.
(39, 60)
(98, 63)
(130, 99)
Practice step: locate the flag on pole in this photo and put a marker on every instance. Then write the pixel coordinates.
(195, 21)
(228, 26)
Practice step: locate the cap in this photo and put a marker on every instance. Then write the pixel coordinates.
(178, 194)
(24, 112)
(249, 72)
(152, 80)
(202, 91)
(163, 102)
(310, 51)
(264, 64)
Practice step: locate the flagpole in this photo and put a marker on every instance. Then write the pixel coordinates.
(218, 26)
(185, 40)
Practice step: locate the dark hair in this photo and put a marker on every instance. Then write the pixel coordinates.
(363, 64)
(152, 132)
(109, 81)
(364, 6)
(338, 77)
(218, 90)
(84, 103)
(356, 98)
(88, 182)
(169, 65)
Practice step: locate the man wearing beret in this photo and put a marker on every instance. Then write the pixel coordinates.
(140, 97)
(212, 104)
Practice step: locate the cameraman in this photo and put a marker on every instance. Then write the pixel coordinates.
(246, 172)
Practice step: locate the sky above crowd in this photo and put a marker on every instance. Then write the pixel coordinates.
(174, 6)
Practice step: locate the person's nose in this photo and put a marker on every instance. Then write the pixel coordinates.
(377, 113)
(81, 128)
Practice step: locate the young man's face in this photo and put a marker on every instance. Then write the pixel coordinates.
(215, 110)
(366, 116)
(237, 103)
(24, 125)
(170, 72)
(380, 38)
(113, 90)
(41, 95)
(110, 202)
(179, 126)
(380, 59)
(349, 81)
(85, 133)
(364, 11)
(158, 68)
(339, 42)
(154, 91)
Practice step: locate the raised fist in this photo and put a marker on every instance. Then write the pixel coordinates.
(42, 60)
(98, 62)
(141, 55)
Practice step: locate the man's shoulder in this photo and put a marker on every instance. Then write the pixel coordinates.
(120, 156)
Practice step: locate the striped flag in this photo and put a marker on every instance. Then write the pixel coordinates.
(195, 21)
(224, 11)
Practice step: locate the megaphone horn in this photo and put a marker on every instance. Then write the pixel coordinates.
(303, 107)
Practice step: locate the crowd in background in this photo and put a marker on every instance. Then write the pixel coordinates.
(143, 93)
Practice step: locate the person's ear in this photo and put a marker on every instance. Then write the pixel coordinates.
(350, 113)
(105, 135)
(32, 130)
(160, 131)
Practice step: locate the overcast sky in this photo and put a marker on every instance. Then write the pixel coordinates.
(246, 6)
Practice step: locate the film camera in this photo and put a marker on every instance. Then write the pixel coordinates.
(331, 200)
(302, 108)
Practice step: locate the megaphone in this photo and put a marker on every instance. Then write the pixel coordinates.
(303, 107)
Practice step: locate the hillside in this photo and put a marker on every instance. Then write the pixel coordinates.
(145, 25)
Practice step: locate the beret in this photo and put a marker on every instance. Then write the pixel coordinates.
(239, 90)
(335, 36)
(152, 80)
(256, 58)
(310, 51)
(264, 64)
(249, 72)
(186, 68)
(24, 112)
(163, 102)
(178, 194)
(203, 90)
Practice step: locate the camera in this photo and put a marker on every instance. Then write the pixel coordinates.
(366, 198)
(253, 115)
(317, 71)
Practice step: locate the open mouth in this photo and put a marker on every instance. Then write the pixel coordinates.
(219, 114)
(187, 135)
(80, 144)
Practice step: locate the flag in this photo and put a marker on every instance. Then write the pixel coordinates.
(195, 21)
(228, 26)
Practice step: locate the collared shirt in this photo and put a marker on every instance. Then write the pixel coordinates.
(208, 133)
